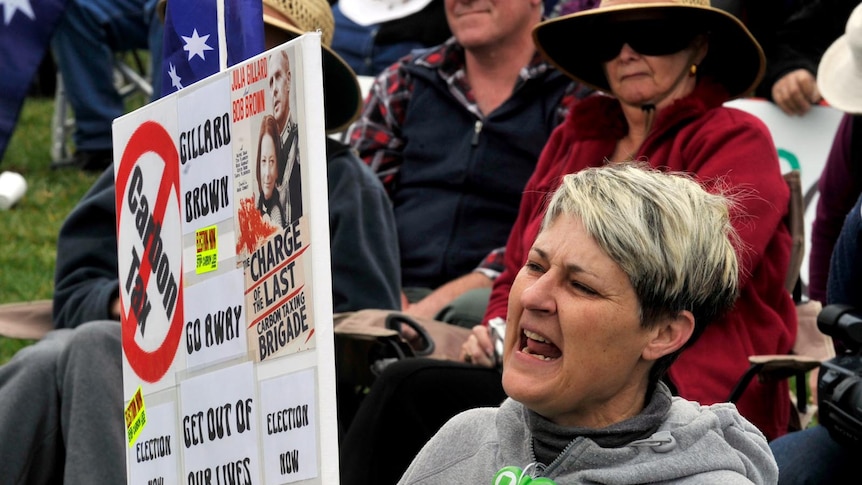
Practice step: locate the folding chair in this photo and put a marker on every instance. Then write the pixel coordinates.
(811, 347)
(128, 79)
(29, 320)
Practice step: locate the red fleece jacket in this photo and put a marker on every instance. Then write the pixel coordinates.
(723, 147)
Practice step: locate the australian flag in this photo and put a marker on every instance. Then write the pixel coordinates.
(203, 37)
(26, 27)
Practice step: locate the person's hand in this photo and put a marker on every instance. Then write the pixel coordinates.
(424, 308)
(407, 333)
(405, 303)
(796, 92)
(479, 348)
(115, 308)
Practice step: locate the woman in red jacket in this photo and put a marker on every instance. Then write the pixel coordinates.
(664, 70)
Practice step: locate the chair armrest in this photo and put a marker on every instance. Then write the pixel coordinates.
(29, 320)
(783, 366)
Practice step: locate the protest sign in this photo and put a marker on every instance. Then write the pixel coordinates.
(803, 143)
(225, 283)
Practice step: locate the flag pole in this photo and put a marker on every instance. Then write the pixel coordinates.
(222, 36)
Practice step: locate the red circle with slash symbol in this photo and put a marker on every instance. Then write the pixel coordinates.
(151, 137)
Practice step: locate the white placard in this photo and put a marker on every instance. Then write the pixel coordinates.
(289, 436)
(215, 320)
(147, 181)
(205, 154)
(803, 143)
(218, 415)
(154, 457)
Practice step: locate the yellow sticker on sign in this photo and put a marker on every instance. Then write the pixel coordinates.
(136, 416)
(206, 242)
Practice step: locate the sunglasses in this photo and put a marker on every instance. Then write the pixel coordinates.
(648, 39)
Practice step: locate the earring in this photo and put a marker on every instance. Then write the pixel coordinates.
(692, 70)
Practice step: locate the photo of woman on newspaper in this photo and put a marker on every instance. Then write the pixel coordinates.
(270, 173)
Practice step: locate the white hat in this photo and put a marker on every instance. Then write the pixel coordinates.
(369, 12)
(839, 76)
(734, 57)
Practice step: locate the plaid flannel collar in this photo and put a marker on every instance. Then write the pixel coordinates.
(449, 63)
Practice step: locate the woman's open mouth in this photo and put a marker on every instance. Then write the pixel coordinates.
(538, 346)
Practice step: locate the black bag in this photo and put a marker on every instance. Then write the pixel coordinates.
(366, 341)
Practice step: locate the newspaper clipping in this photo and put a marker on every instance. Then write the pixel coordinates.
(228, 360)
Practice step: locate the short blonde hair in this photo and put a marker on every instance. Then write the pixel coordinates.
(671, 237)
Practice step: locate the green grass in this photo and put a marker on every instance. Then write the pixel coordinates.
(28, 249)
(30, 228)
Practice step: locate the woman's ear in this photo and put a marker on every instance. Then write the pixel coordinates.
(670, 334)
(701, 45)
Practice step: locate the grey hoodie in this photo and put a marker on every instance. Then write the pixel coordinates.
(694, 445)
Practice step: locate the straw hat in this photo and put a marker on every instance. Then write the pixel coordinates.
(839, 75)
(370, 12)
(734, 59)
(342, 97)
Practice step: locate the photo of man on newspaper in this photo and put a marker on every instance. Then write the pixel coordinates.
(290, 188)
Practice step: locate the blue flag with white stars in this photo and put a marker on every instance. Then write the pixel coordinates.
(204, 36)
(26, 27)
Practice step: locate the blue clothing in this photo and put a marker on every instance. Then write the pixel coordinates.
(85, 41)
(452, 206)
(845, 282)
(369, 49)
(356, 45)
(811, 456)
(365, 266)
(24, 39)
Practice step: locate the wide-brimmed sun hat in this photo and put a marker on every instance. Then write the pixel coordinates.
(571, 42)
(342, 96)
(370, 12)
(839, 75)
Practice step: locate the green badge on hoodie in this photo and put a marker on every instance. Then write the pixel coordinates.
(512, 475)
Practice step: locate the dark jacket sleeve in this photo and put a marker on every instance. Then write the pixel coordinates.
(86, 277)
(845, 273)
(366, 269)
(801, 39)
(839, 186)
